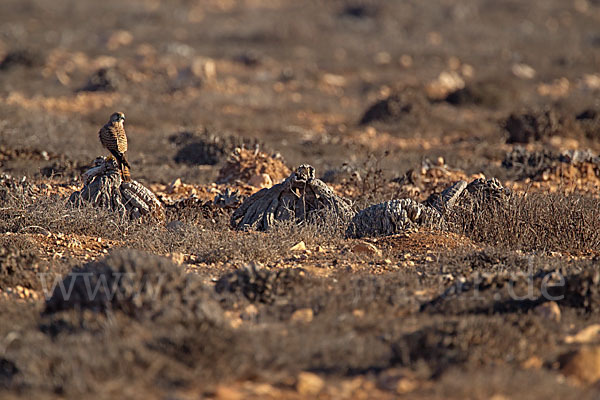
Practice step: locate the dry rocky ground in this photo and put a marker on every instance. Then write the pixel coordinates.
(499, 299)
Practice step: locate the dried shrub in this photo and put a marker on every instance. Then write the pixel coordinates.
(533, 221)
(582, 290)
(534, 126)
(105, 188)
(195, 210)
(392, 217)
(485, 93)
(301, 197)
(543, 164)
(27, 214)
(21, 58)
(18, 263)
(524, 164)
(205, 148)
(260, 284)
(13, 191)
(408, 103)
(169, 337)
(8, 370)
(104, 80)
(589, 121)
(138, 284)
(243, 164)
(431, 178)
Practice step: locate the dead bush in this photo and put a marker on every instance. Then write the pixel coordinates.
(532, 222)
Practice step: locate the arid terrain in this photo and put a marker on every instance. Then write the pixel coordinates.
(498, 299)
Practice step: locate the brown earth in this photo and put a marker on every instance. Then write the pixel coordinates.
(386, 99)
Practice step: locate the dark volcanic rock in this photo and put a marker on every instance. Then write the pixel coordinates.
(486, 94)
(409, 102)
(24, 58)
(533, 126)
(105, 79)
(205, 148)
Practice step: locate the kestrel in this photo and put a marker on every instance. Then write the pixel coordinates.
(113, 137)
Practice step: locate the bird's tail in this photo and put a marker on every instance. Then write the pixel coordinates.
(125, 173)
(125, 169)
(124, 160)
(123, 165)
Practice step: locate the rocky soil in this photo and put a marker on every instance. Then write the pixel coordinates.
(330, 199)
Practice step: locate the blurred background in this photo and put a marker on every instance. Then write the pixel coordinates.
(388, 99)
(296, 77)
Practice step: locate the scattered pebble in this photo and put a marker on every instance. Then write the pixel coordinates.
(549, 310)
(583, 365)
(366, 248)
(304, 315)
(309, 384)
(589, 334)
(300, 246)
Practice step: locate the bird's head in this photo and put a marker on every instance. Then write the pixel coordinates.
(117, 118)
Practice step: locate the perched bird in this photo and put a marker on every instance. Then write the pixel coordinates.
(113, 137)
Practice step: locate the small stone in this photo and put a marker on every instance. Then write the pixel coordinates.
(304, 315)
(440, 161)
(334, 80)
(398, 380)
(358, 313)
(406, 61)
(223, 392)
(309, 384)
(177, 258)
(234, 320)
(250, 312)
(261, 181)
(300, 246)
(366, 248)
(406, 385)
(533, 362)
(583, 365)
(118, 39)
(589, 334)
(204, 68)
(173, 186)
(523, 71)
(549, 311)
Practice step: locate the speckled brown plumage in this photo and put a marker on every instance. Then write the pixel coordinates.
(113, 137)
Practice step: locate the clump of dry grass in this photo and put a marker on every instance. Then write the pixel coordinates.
(532, 222)
(208, 236)
(50, 214)
(215, 241)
